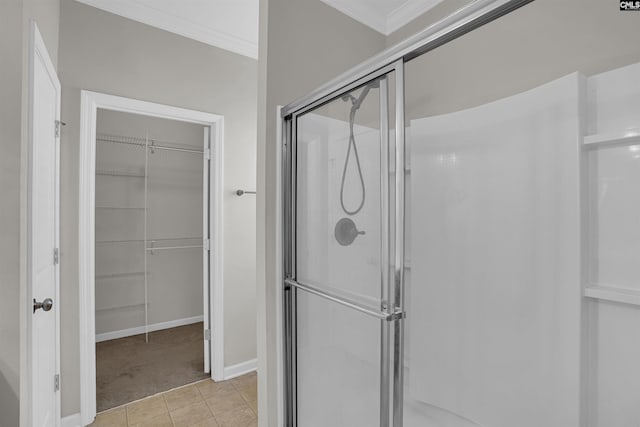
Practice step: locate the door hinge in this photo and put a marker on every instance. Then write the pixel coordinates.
(207, 244)
(56, 382)
(207, 334)
(207, 153)
(59, 124)
(56, 256)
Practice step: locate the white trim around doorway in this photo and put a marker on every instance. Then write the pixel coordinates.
(90, 103)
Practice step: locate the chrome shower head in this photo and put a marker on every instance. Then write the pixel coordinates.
(356, 102)
(348, 97)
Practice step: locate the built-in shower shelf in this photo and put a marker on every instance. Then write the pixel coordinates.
(612, 293)
(627, 137)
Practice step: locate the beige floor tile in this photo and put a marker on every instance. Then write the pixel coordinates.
(146, 409)
(182, 397)
(227, 402)
(190, 415)
(249, 392)
(163, 420)
(248, 379)
(210, 388)
(111, 418)
(209, 422)
(253, 405)
(244, 417)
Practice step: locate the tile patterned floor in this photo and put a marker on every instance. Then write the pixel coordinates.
(231, 403)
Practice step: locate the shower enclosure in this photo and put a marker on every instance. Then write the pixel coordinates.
(461, 231)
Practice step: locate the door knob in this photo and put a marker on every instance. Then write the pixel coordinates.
(45, 305)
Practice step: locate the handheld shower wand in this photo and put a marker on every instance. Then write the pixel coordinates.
(356, 103)
(346, 230)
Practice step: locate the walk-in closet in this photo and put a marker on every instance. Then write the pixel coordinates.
(151, 265)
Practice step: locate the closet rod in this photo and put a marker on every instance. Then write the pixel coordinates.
(175, 238)
(151, 240)
(106, 242)
(141, 142)
(125, 174)
(122, 307)
(119, 275)
(184, 150)
(119, 207)
(165, 248)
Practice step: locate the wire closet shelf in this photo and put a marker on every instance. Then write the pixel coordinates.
(149, 143)
(155, 245)
(160, 244)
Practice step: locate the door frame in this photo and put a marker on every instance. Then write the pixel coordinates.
(90, 102)
(38, 51)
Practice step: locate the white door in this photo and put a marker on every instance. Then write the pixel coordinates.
(43, 235)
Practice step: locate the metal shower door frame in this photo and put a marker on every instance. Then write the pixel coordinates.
(390, 314)
(473, 16)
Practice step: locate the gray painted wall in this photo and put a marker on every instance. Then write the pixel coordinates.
(303, 43)
(107, 53)
(14, 39)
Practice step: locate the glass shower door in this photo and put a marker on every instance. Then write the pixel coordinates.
(340, 285)
(493, 236)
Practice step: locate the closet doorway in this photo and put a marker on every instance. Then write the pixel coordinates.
(150, 271)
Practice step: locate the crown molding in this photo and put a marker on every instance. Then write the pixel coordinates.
(406, 13)
(361, 13)
(166, 21)
(383, 23)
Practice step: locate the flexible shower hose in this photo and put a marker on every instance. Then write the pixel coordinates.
(352, 143)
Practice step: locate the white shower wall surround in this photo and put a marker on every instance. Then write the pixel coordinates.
(613, 251)
(495, 329)
(497, 338)
(174, 199)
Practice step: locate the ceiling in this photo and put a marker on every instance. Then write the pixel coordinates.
(228, 24)
(233, 24)
(384, 16)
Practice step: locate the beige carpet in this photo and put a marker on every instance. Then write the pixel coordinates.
(129, 369)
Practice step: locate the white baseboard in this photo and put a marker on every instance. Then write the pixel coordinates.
(71, 421)
(240, 369)
(141, 329)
